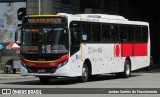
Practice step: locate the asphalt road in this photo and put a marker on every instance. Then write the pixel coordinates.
(139, 79)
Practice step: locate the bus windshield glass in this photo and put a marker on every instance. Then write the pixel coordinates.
(45, 38)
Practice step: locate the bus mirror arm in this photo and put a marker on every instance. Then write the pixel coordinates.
(16, 38)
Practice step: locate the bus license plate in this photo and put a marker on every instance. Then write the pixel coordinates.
(41, 70)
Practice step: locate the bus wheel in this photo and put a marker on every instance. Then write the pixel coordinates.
(44, 80)
(85, 73)
(127, 69)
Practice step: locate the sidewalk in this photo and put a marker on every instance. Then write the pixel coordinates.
(6, 76)
(10, 76)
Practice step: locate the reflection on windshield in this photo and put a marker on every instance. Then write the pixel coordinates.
(45, 40)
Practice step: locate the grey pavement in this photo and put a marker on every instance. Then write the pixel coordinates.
(139, 79)
(12, 76)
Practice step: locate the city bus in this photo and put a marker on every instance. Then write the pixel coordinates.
(82, 46)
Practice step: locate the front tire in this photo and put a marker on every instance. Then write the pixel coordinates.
(44, 80)
(85, 73)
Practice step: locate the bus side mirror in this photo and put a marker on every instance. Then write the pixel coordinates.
(17, 37)
(21, 13)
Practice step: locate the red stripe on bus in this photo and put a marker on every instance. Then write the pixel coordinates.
(135, 49)
(140, 49)
(127, 50)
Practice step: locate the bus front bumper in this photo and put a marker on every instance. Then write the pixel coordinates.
(63, 71)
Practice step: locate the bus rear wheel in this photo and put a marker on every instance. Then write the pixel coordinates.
(127, 69)
(44, 80)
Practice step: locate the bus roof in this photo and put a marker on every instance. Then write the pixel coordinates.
(44, 15)
(104, 18)
(99, 17)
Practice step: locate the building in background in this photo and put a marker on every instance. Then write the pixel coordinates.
(53, 6)
(72, 6)
(11, 13)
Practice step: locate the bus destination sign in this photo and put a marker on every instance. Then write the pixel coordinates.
(45, 20)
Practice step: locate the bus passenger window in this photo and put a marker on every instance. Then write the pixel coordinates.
(105, 33)
(86, 32)
(75, 37)
(131, 35)
(138, 35)
(144, 34)
(114, 33)
(75, 33)
(96, 33)
(123, 34)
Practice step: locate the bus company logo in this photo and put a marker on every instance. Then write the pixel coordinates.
(117, 50)
(6, 91)
(92, 50)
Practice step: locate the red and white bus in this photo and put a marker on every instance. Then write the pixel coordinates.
(82, 45)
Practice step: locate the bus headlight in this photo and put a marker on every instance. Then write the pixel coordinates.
(62, 64)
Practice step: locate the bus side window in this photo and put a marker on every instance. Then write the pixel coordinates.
(138, 34)
(114, 33)
(86, 32)
(123, 34)
(75, 33)
(145, 34)
(96, 33)
(105, 33)
(131, 35)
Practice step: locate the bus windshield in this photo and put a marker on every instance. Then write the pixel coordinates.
(45, 40)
